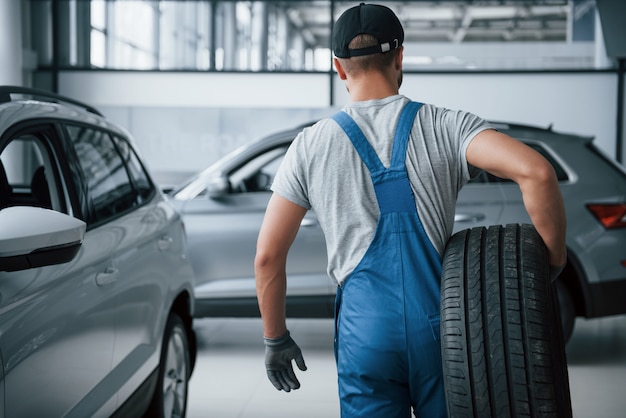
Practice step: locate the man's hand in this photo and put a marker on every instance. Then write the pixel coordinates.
(279, 352)
(555, 271)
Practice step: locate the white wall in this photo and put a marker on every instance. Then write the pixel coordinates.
(177, 141)
(120, 88)
(183, 121)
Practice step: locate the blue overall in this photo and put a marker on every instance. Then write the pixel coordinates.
(387, 344)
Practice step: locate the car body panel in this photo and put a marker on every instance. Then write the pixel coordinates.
(148, 269)
(217, 248)
(478, 204)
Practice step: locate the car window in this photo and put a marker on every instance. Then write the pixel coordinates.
(561, 174)
(110, 190)
(141, 182)
(28, 172)
(257, 174)
(480, 178)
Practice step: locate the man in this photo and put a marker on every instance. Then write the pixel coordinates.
(382, 177)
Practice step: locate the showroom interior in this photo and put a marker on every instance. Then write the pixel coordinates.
(194, 80)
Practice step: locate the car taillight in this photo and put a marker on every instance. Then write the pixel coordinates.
(611, 215)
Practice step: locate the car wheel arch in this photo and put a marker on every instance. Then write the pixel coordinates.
(574, 295)
(182, 306)
(575, 281)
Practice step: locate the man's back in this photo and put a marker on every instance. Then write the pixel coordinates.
(323, 171)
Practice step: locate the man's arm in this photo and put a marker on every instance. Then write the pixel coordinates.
(278, 231)
(505, 157)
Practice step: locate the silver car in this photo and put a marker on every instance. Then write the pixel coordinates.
(223, 207)
(96, 291)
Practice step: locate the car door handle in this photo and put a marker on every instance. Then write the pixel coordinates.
(164, 243)
(108, 276)
(468, 217)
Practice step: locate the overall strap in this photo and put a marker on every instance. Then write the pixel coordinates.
(365, 150)
(403, 133)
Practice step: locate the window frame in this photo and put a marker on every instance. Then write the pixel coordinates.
(84, 193)
(47, 135)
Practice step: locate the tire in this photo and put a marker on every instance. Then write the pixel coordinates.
(502, 346)
(170, 397)
(567, 309)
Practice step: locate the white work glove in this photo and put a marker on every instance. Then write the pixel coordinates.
(279, 352)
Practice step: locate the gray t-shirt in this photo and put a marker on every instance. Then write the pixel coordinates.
(322, 171)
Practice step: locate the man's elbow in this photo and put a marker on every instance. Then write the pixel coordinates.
(541, 172)
(267, 259)
(545, 173)
(537, 179)
(261, 260)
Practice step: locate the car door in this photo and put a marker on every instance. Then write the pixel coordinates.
(124, 210)
(223, 230)
(57, 324)
(481, 202)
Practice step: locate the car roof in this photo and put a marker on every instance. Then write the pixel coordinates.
(536, 133)
(18, 104)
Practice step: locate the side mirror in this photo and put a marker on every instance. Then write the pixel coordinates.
(33, 237)
(218, 187)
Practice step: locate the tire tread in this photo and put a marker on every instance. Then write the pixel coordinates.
(501, 357)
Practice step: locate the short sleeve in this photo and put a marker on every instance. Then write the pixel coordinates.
(465, 126)
(290, 179)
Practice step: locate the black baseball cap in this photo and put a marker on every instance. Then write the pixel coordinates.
(371, 19)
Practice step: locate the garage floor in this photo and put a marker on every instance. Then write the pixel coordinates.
(230, 382)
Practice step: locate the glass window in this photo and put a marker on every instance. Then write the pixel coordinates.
(497, 35)
(257, 174)
(110, 191)
(138, 175)
(21, 161)
(21, 157)
(561, 174)
(98, 36)
(29, 173)
(184, 29)
(295, 35)
(482, 177)
(298, 36)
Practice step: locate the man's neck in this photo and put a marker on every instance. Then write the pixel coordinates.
(371, 87)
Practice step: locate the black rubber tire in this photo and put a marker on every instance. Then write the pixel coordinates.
(170, 396)
(502, 346)
(567, 309)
